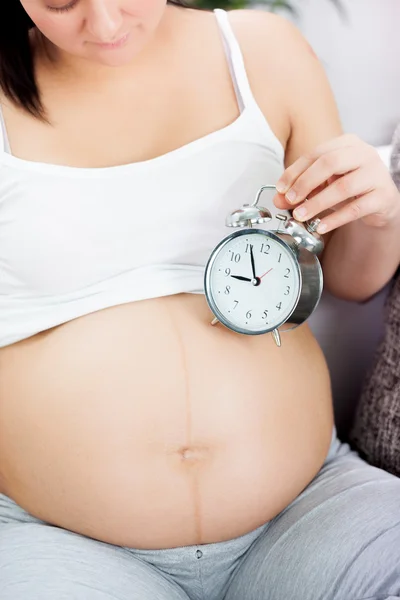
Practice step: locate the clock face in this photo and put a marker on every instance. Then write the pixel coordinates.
(246, 301)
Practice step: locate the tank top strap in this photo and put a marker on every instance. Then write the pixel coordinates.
(235, 60)
(4, 144)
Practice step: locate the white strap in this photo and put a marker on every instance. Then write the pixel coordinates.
(235, 60)
(4, 143)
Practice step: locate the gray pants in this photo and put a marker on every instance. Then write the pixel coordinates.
(339, 540)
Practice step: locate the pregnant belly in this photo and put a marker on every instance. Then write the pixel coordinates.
(142, 425)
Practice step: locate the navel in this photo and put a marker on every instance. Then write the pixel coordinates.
(193, 454)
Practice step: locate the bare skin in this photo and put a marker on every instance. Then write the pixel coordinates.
(192, 434)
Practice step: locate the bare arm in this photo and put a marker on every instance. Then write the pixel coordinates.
(343, 178)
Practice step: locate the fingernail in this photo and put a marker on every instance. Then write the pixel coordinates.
(291, 196)
(281, 187)
(300, 212)
(322, 228)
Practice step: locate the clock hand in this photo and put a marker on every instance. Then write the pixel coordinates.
(241, 278)
(252, 262)
(265, 273)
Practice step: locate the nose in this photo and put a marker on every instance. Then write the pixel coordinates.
(104, 20)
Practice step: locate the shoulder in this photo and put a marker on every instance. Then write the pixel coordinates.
(281, 62)
(270, 38)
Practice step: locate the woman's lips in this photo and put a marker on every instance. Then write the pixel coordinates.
(112, 45)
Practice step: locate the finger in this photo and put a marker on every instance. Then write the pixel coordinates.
(338, 162)
(301, 164)
(280, 201)
(357, 183)
(359, 208)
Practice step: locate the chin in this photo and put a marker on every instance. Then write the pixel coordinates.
(114, 61)
(116, 57)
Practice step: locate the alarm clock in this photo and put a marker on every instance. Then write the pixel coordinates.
(261, 281)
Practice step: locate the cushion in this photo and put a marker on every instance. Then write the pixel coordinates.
(376, 428)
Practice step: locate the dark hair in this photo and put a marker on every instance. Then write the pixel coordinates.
(17, 77)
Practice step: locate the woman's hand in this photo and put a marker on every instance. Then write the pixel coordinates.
(341, 181)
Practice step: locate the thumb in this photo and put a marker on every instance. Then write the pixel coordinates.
(280, 201)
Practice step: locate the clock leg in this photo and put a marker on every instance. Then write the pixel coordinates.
(277, 337)
(214, 321)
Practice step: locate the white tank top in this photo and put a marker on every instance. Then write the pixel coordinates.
(78, 240)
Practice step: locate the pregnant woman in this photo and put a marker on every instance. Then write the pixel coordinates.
(144, 454)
